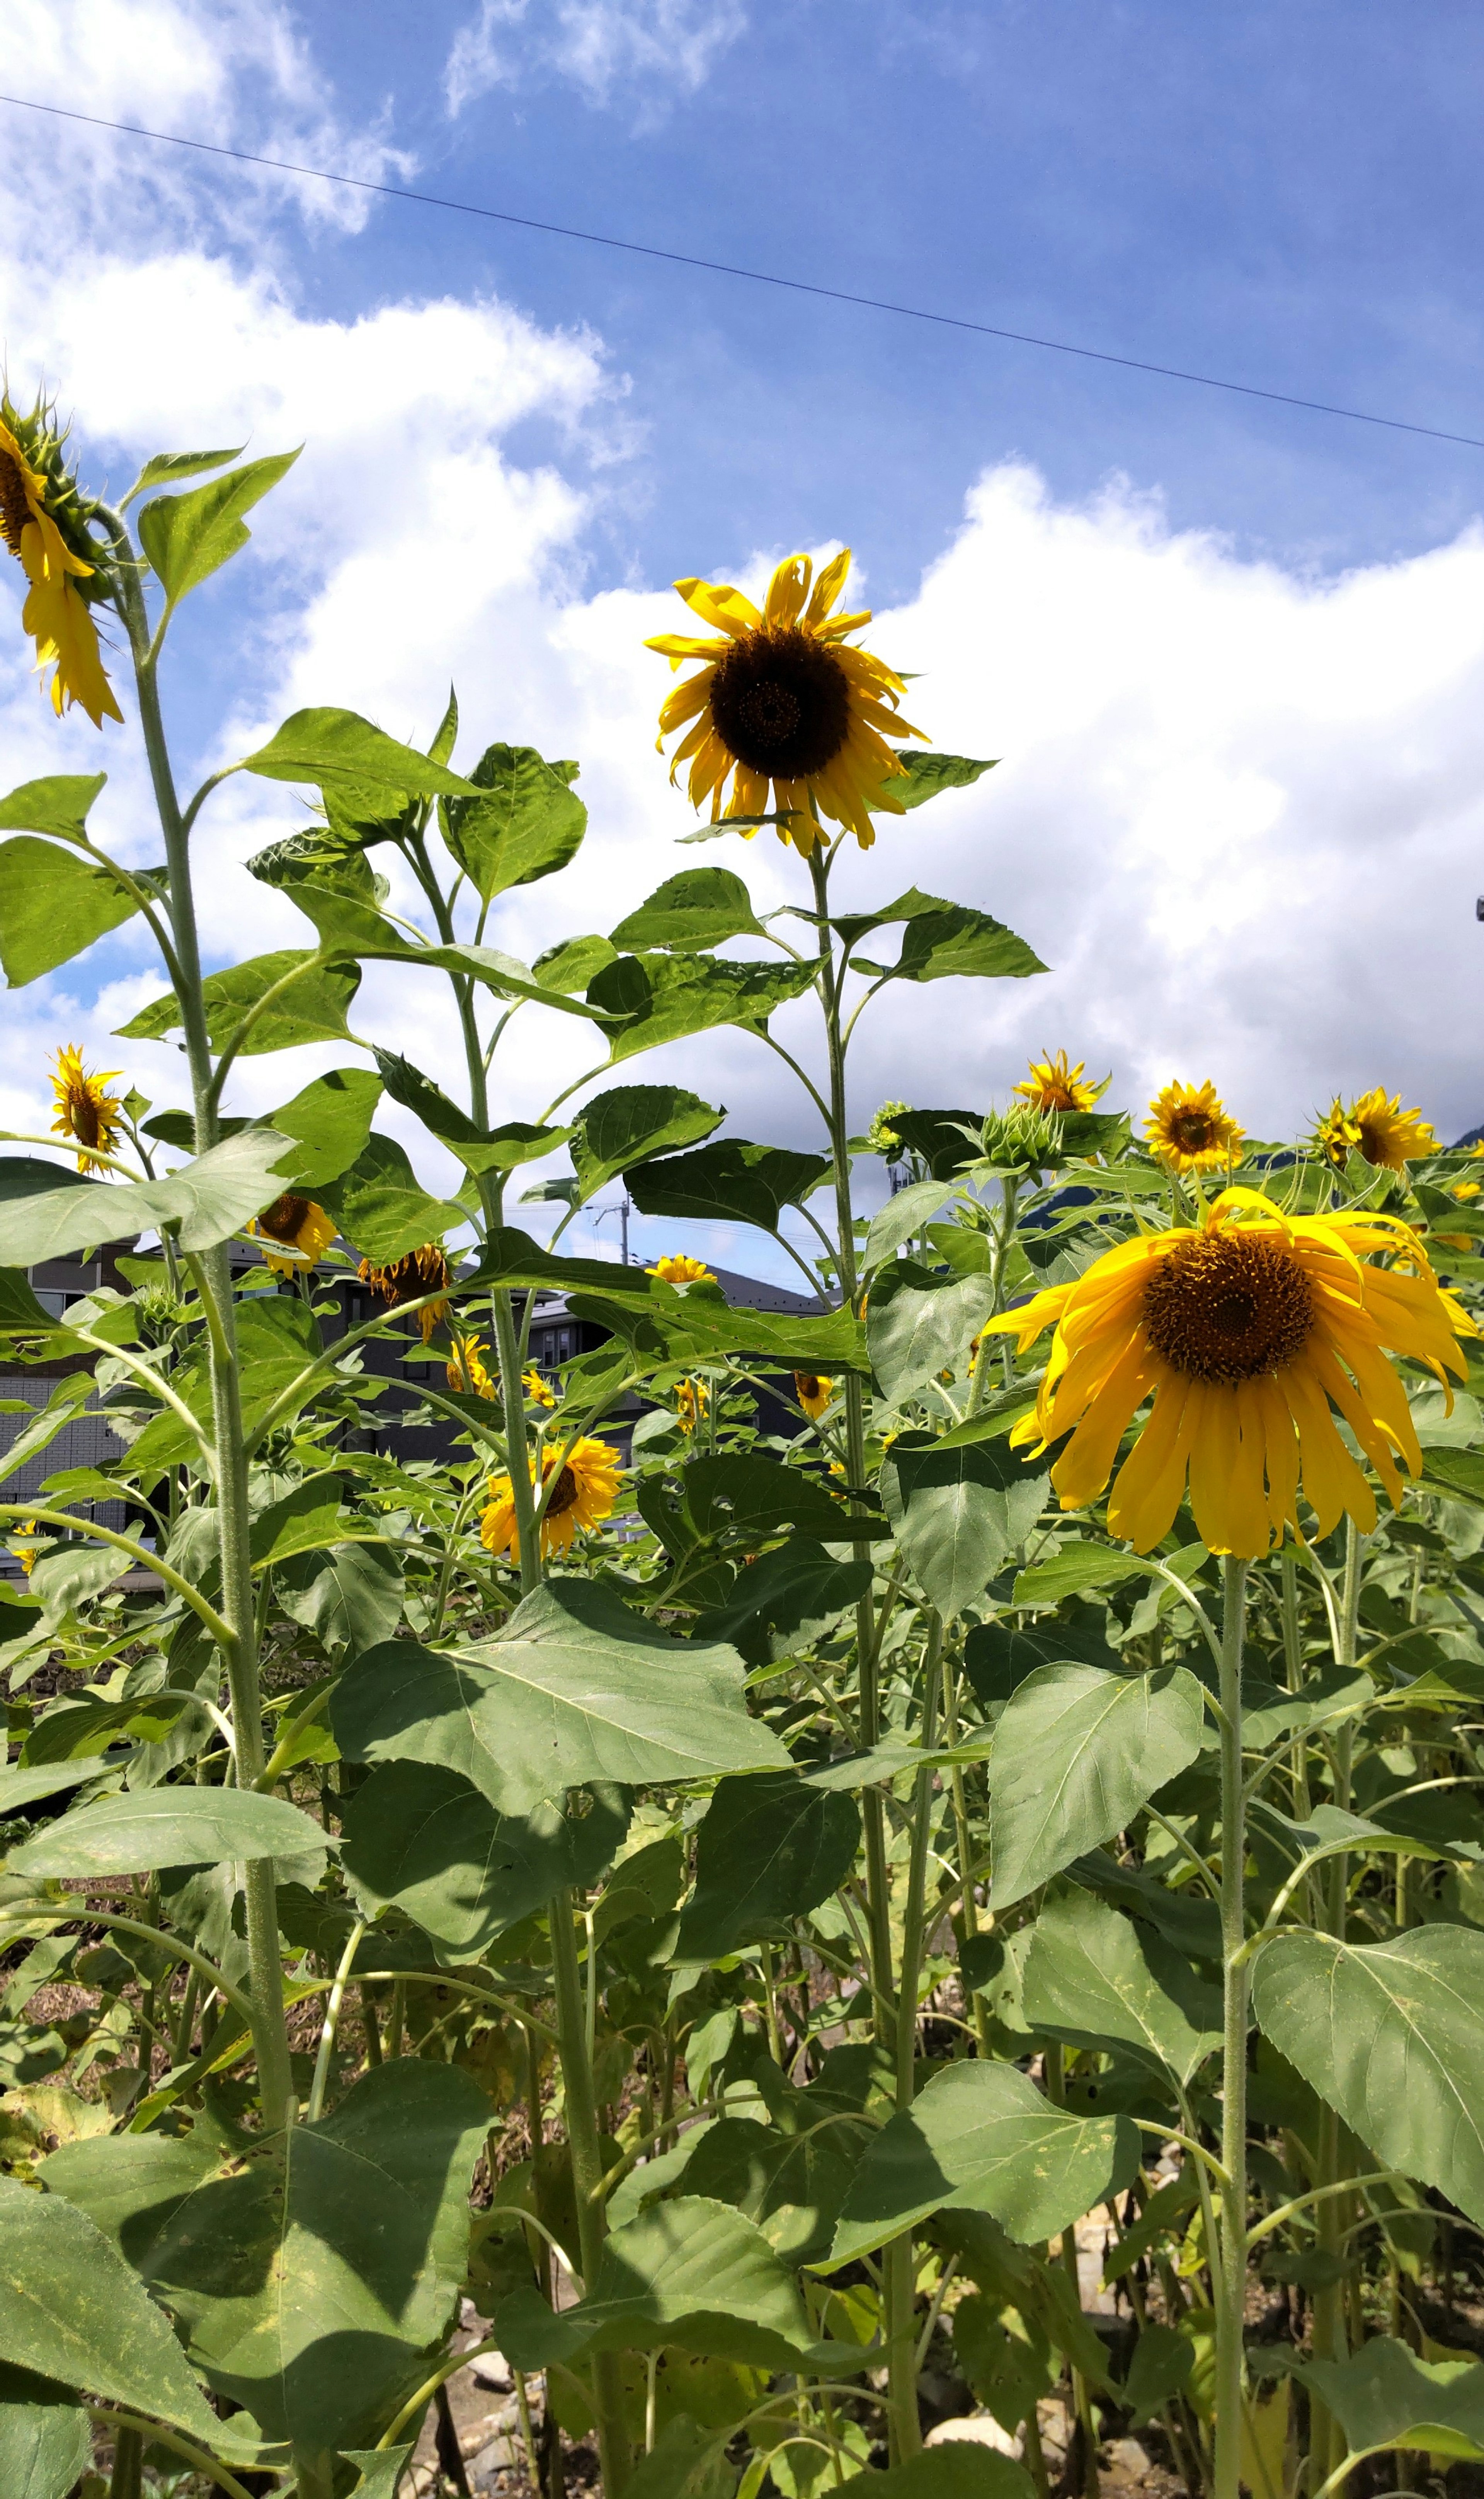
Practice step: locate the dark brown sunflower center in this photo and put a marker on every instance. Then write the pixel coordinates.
(781, 701)
(85, 1119)
(1193, 1132)
(15, 510)
(806, 1383)
(564, 1493)
(284, 1218)
(1372, 1142)
(1228, 1307)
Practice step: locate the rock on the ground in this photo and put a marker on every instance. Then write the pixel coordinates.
(983, 2430)
(492, 2369)
(1126, 2455)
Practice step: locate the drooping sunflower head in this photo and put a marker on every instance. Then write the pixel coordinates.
(692, 1399)
(1388, 1136)
(584, 1494)
(294, 1223)
(680, 1268)
(86, 1111)
(422, 1271)
(881, 1136)
(814, 1392)
(538, 1390)
(465, 1370)
(43, 522)
(1191, 1129)
(1050, 1085)
(782, 702)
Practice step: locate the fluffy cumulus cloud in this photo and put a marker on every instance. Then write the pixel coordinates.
(654, 50)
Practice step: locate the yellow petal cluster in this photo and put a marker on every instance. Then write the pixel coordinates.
(294, 1223)
(1191, 1129)
(814, 1392)
(1378, 1130)
(421, 1271)
(86, 1112)
(1050, 1085)
(681, 1268)
(585, 1493)
(55, 614)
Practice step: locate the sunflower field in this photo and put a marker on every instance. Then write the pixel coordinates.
(888, 1887)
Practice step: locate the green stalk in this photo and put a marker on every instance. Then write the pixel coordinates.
(1232, 2286)
(1327, 2440)
(127, 2479)
(900, 2265)
(587, 2181)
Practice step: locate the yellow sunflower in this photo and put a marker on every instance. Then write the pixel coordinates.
(37, 501)
(466, 1371)
(1246, 1330)
(814, 1392)
(27, 1555)
(1050, 1085)
(1379, 1130)
(586, 1492)
(1191, 1129)
(422, 1271)
(85, 1111)
(294, 1223)
(537, 1389)
(681, 1269)
(692, 1399)
(783, 702)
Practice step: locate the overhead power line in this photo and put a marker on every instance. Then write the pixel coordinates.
(754, 276)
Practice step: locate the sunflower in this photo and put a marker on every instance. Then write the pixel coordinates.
(681, 1269)
(585, 1493)
(297, 1223)
(1191, 1129)
(1379, 1130)
(422, 1271)
(814, 1392)
(1050, 1085)
(43, 522)
(692, 1399)
(783, 701)
(27, 1555)
(1246, 1330)
(466, 1371)
(882, 1138)
(537, 1389)
(84, 1111)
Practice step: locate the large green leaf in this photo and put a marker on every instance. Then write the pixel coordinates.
(1091, 1977)
(207, 1202)
(52, 905)
(699, 908)
(958, 1513)
(311, 2271)
(1074, 1568)
(187, 538)
(46, 2440)
(741, 1500)
(57, 804)
(631, 1122)
(576, 1689)
(71, 2308)
(938, 1139)
(730, 1181)
(178, 1826)
(691, 2272)
(903, 1215)
(312, 1009)
(999, 1656)
(785, 1600)
(330, 1122)
(478, 1149)
(335, 749)
(927, 773)
(1384, 2396)
(524, 822)
(423, 1840)
(654, 998)
(953, 941)
(1076, 1754)
(350, 1598)
(981, 2136)
(380, 1206)
(919, 1324)
(1392, 2035)
(959, 2470)
(770, 1849)
(68, 1398)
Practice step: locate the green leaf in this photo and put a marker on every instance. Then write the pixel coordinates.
(46, 2438)
(983, 2138)
(687, 2461)
(522, 822)
(893, 1224)
(1392, 2035)
(335, 750)
(697, 909)
(730, 1181)
(919, 1324)
(1092, 1977)
(1159, 2369)
(655, 999)
(350, 1602)
(180, 1826)
(1074, 1568)
(577, 1689)
(169, 467)
(928, 774)
(68, 1398)
(380, 1206)
(1384, 2396)
(314, 1008)
(741, 1500)
(1076, 1754)
(380, 2468)
(57, 804)
(791, 2185)
(958, 1513)
(424, 1840)
(477, 1149)
(331, 1121)
(72, 2310)
(999, 1656)
(769, 1849)
(1459, 1473)
(21, 1788)
(187, 538)
(54, 904)
(937, 1138)
(303, 1520)
(785, 1600)
(208, 1201)
(953, 941)
(631, 1122)
(695, 2273)
(573, 964)
(956, 2471)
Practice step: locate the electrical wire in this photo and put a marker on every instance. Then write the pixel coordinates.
(754, 276)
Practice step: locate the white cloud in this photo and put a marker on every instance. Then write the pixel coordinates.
(658, 48)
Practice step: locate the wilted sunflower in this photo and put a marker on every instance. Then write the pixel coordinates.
(1378, 1130)
(814, 1392)
(43, 523)
(1050, 1085)
(296, 1223)
(681, 1269)
(466, 1371)
(1246, 1330)
(782, 701)
(85, 1111)
(1191, 1129)
(692, 1399)
(422, 1271)
(586, 1492)
(538, 1390)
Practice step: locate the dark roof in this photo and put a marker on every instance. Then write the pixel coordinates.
(744, 1292)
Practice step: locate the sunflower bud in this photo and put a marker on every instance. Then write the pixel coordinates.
(1022, 1140)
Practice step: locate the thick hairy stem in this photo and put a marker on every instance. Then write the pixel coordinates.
(900, 2267)
(1327, 2441)
(1232, 2287)
(586, 2179)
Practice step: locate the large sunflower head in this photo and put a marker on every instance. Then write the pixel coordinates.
(692, 1399)
(293, 1223)
(1386, 1135)
(782, 702)
(86, 1111)
(43, 523)
(1050, 1085)
(421, 1271)
(1191, 1129)
(1251, 1332)
(584, 1494)
(680, 1268)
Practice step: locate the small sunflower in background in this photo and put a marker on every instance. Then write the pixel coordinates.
(43, 521)
(881, 1136)
(681, 1269)
(1378, 1130)
(421, 1271)
(86, 1111)
(784, 702)
(538, 1390)
(1050, 1085)
(294, 1223)
(814, 1392)
(585, 1493)
(1191, 1129)
(27, 1555)
(466, 1371)
(692, 1399)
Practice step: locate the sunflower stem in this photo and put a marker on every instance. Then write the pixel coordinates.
(1232, 2286)
(586, 2179)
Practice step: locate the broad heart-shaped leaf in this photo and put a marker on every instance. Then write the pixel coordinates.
(20, 1315)
(177, 1826)
(999, 1656)
(956, 941)
(577, 1689)
(699, 908)
(424, 1840)
(1092, 1977)
(313, 1008)
(57, 804)
(71, 2308)
(524, 822)
(784, 1600)
(740, 1499)
(654, 998)
(337, 748)
(570, 966)
(691, 2272)
(981, 2137)
(1392, 2035)
(302, 1520)
(54, 904)
(919, 1324)
(959, 1512)
(380, 1206)
(1075, 1566)
(380, 2468)
(687, 2461)
(46, 2438)
(187, 538)
(1384, 2396)
(207, 1202)
(349, 1597)
(330, 1122)
(666, 1326)
(1076, 1753)
(770, 1849)
(312, 2271)
(893, 1224)
(926, 774)
(730, 1181)
(631, 1122)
